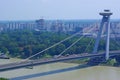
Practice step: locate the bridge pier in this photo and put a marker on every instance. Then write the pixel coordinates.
(117, 58)
(105, 22)
(96, 61)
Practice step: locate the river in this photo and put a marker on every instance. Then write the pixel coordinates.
(62, 71)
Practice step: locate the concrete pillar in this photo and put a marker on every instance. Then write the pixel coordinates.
(105, 21)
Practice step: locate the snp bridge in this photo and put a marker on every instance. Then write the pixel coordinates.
(22, 64)
(94, 56)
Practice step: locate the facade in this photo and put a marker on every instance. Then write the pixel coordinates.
(6, 26)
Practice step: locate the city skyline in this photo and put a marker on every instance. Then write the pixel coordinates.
(57, 9)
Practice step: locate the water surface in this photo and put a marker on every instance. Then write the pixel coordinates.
(62, 71)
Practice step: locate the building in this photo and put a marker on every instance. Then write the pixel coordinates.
(58, 26)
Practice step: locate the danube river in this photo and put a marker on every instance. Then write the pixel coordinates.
(62, 71)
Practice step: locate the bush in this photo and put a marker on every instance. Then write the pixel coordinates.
(3, 79)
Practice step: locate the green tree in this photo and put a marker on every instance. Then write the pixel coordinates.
(3, 79)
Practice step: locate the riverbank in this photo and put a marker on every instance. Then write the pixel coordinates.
(62, 71)
(110, 62)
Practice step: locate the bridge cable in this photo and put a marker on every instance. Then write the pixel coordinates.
(72, 44)
(91, 41)
(115, 37)
(52, 46)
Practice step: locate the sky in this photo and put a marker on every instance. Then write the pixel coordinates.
(57, 9)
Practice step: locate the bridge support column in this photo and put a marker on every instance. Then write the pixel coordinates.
(105, 22)
(107, 39)
(117, 60)
(96, 61)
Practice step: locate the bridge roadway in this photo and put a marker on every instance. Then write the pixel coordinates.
(16, 65)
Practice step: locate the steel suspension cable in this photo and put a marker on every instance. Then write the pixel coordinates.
(115, 37)
(91, 41)
(72, 44)
(52, 46)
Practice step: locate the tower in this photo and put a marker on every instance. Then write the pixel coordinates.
(105, 22)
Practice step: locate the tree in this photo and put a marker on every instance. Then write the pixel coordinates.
(26, 43)
(3, 79)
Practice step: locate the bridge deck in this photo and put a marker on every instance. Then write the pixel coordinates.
(21, 64)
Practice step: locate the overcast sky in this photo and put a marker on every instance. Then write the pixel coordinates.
(56, 9)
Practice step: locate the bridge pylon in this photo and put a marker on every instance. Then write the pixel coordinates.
(104, 23)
